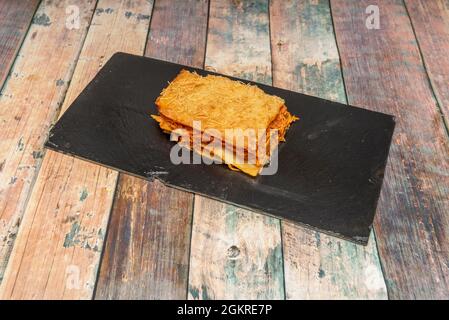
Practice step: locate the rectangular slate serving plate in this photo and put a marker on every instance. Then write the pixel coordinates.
(330, 170)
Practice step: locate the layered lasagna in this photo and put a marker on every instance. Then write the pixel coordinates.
(224, 120)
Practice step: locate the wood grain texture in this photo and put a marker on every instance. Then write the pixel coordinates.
(15, 18)
(58, 247)
(147, 248)
(305, 59)
(178, 32)
(383, 71)
(235, 253)
(148, 242)
(30, 102)
(305, 55)
(430, 20)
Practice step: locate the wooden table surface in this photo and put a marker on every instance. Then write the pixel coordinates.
(70, 229)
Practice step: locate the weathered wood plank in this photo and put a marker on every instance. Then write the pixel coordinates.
(305, 59)
(430, 20)
(178, 32)
(148, 243)
(383, 71)
(58, 247)
(305, 55)
(30, 101)
(147, 248)
(235, 253)
(15, 18)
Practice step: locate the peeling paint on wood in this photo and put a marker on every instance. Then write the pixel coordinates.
(99, 11)
(57, 251)
(41, 19)
(305, 59)
(78, 236)
(383, 71)
(84, 194)
(138, 16)
(235, 253)
(38, 154)
(28, 106)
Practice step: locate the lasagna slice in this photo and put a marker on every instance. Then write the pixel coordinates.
(224, 119)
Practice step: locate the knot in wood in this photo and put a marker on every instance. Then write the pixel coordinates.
(233, 252)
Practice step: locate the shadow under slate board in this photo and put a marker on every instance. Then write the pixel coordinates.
(330, 170)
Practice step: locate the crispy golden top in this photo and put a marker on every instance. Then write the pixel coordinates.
(217, 102)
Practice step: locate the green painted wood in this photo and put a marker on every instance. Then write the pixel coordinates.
(15, 18)
(31, 99)
(430, 20)
(306, 59)
(305, 55)
(383, 71)
(60, 240)
(149, 218)
(236, 253)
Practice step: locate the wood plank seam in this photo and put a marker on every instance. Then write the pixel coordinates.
(193, 202)
(438, 102)
(207, 37)
(283, 259)
(280, 221)
(148, 32)
(338, 51)
(108, 227)
(192, 215)
(11, 67)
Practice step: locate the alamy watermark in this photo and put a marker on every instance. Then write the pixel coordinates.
(372, 22)
(237, 147)
(73, 17)
(73, 281)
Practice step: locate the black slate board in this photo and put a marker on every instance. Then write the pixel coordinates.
(330, 169)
